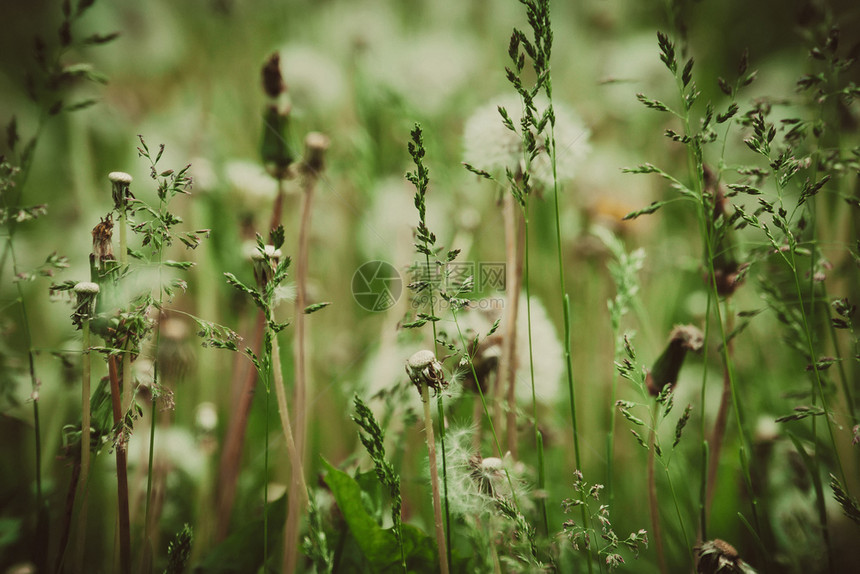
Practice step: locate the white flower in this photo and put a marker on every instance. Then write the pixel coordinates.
(491, 146)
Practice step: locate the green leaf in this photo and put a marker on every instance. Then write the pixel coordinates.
(378, 545)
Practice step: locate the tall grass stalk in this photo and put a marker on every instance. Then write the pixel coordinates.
(537, 432)
(656, 529)
(231, 456)
(715, 443)
(508, 364)
(420, 178)
(120, 446)
(298, 493)
(434, 480)
(85, 309)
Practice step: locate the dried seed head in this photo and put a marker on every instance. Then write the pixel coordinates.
(273, 81)
(265, 262)
(720, 556)
(688, 336)
(85, 307)
(102, 235)
(423, 368)
(487, 473)
(120, 182)
(86, 288)
(667, 367)
(485, 361)
(316, 145)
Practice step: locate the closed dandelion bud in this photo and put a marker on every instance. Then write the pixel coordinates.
(265, 262)
(120, 182)
(276, 152)
(85, 307)
(273, 81)
(720, 556)
(316, 145)
(666, 368)
(423, 368)
(275, 149)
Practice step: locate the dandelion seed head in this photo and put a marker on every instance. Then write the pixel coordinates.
(120, 177)
(489, 145)
(252, 189)
(314, 79)
(206, 417)
(86, 288)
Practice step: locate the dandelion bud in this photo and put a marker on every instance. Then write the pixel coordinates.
(316, 145)
(273, 81)
(665, 371)
(423, 368)
(120, 182)
(85, 308)
(275, 149)
(265, 262)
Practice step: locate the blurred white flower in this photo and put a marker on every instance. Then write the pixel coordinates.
(447, 63)
(387, 228)
(547, 348)
(252, 189)
(313, 78)
(491, 146)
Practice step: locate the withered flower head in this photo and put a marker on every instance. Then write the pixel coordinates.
(316, 145)
(273, 81)
(666, 368)
(102, 235)
(720, 556)
(423, 368)
(120, 182)
(85, 306)
(485, 361)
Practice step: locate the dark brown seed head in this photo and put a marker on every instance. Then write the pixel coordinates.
(273, 81)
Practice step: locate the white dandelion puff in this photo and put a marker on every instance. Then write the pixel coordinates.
(491, 146)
